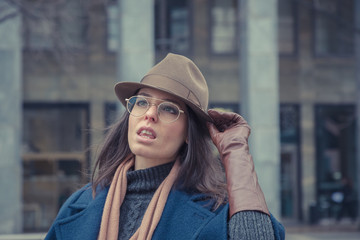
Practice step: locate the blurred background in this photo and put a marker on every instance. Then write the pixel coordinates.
(291, 67)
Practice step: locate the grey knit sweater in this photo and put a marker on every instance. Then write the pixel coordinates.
(141, 186)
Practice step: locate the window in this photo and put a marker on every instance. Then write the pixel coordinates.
(224, 33)
(172, 27)
(334, 27)
(54, 161)
(335, 155)
(223, 26)
(112, 113)
(287, 27)
(55, 25)
(112, 26)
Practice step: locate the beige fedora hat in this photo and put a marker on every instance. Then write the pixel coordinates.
(176, 75)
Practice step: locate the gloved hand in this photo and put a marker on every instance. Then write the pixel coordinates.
(230, 133)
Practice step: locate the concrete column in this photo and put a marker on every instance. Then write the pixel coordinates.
(308, 150)
(10, 122)
(357, 52)
(135, 54)
(307, 93)
(260, 92)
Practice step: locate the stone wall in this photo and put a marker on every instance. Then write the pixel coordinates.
(10, 122)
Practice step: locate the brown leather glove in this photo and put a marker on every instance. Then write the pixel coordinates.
(230, 133)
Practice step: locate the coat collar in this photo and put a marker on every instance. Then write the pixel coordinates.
(85, 218)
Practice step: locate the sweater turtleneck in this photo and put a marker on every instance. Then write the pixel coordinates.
(141, 186)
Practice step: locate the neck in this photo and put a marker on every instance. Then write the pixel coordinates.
(143, 163)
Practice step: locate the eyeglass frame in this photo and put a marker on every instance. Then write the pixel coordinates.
(153, 104)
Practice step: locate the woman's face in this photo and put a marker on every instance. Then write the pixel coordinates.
(153, 141)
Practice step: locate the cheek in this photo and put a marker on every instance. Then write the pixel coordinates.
(177, 135)
(131, 127)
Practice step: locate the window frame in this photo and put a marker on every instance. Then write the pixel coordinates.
(82, 105)
(295, 30)
(60, 183)
(57, 23)
(159, 54)
(114, 4)
(315, 12)
(210, 31)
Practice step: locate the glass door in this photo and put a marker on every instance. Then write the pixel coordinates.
(336, 161)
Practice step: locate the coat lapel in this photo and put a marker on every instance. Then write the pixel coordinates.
(186, 216)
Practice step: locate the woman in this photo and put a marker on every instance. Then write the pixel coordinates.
(156, 175)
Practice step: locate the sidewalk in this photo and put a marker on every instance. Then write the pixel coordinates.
(325, 230)
(326, 225)
(324, 236)
(24, 236)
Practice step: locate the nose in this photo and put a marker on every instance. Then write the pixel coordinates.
(151, 113)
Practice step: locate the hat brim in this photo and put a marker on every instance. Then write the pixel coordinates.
(126, 90)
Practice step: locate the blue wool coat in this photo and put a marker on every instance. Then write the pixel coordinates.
(185, 216)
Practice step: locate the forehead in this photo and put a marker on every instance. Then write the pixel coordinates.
(161, 95)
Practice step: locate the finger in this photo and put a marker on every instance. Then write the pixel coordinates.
(214, 114)
(212, 129)
(219, 119)
(224, 120)
(221, 115)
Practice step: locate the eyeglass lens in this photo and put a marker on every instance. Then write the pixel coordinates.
(167, 111)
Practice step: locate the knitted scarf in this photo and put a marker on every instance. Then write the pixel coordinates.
(109, 227)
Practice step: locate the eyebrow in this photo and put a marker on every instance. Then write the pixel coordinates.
(166, 99)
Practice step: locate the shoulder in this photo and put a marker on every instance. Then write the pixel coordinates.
(79, 200)
(81, 196)
(78, 212)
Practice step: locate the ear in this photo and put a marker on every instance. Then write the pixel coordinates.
(187, 141)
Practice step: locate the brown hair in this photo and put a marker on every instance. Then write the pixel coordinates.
(200, 171)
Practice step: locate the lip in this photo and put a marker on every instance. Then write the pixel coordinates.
(148, 129)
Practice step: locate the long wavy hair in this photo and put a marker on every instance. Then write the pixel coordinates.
(200, 170)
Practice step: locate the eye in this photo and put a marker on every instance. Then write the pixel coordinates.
(169, 108)
(141, 102)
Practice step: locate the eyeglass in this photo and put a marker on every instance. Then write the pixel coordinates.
(168, 112)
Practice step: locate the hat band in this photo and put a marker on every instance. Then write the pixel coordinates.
(174, 87)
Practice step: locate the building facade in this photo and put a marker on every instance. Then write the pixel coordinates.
(69, 69)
